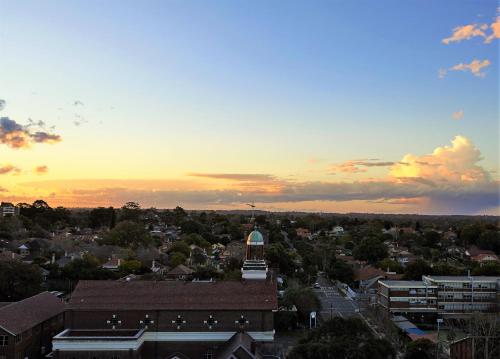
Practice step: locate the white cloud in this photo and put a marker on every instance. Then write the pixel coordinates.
(474, 67)
(466, 32)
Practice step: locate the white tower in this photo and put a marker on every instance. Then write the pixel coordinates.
(254, 266)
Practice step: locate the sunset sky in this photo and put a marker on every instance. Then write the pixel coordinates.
(341, 106)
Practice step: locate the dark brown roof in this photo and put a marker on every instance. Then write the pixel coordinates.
(174, 295)
(19, 316)
(239, 346)
(181, 269)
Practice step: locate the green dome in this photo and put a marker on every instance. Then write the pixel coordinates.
(255, 238)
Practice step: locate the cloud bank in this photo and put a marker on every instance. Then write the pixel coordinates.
(450, 179)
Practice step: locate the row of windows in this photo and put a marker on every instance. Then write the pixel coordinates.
(179, 322)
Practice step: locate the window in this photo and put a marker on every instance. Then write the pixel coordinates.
(208, 354)
(146, 321)
(4, 340)
(242, 321)
(210, 322)
(115, 357)
(114, 321)
(179, 321)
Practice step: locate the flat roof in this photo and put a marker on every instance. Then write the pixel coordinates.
(449, 278)
(405, 283)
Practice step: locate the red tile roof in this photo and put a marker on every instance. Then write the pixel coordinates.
(17, 317)
(175, 295)
(368, 272)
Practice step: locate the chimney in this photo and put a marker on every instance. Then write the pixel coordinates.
(65, 253)
(53, 260)
(119, 260)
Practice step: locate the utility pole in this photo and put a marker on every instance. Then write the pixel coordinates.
(439, 321)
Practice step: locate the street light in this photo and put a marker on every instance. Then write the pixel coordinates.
(312, 317)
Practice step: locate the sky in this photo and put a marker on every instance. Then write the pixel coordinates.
(328, 106)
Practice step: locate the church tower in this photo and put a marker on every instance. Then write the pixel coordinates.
(254, 266)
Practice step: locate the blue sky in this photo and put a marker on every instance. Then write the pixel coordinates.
(243, 86)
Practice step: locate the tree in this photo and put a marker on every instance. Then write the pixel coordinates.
(101, 217)
(197, 240)
(180, 247)
(131, 211)
(341, 271)
(431, 239)
(370, 249)
(390, 264)
(205, 272)
(469, 234)
(445, 269)
(415, 270)
(86, 268)
(305, 299)
(130, 266)
(279, 257)
(198, 256)
(176, 258)
(340, 338)
(420, 349)
(18, 281)
(128, 234)
(490, 239)
(488, 269)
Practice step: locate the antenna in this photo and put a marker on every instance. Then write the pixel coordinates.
(252, 205)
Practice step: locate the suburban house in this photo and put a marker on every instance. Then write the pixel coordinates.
(181, 272)
(112, 264)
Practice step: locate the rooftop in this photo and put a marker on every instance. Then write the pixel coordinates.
(175, 295)
(17, 317)
(446, 278)
(404, 283)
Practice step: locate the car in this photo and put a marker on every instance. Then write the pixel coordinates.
(316, 286)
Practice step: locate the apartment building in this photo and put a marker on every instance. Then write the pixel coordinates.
(466, 294)
(7, 209)
(411, 298)
(440, 295)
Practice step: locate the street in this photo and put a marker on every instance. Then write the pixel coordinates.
(332, 301)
